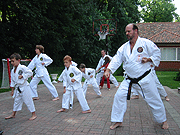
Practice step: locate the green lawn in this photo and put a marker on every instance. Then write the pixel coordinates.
(166, 79)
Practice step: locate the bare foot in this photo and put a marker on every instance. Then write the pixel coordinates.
(165, 125)
(166, 98)
(10, 117)
(117, 86)
(55, 99)
(117, 124)
(61, 110)
(33, 117)
(108, 89)
(35, 98)
(88, 111)
(100, 95)
(100, 87)
(135, 97)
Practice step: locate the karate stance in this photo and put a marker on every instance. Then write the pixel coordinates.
(89, 75)
(40, 62)
(100, 74)
(60, 79)
(21, 91)
(72, 83)
(136, 55)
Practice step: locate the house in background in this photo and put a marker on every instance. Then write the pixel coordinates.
(166, 35)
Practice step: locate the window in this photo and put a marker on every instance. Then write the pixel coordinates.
(170, 54)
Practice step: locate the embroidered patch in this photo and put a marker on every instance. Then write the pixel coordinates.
(20, 72)
(41, 59)
(89, 73)
(140, 49)
(71, 74)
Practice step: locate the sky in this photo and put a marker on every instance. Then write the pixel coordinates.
(177, 5)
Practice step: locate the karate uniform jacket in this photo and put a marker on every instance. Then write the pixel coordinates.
(87, 74)
(61, 76)
(72, 73)
(101, 62)
(21, 83)
(132, 61)
(37, 63)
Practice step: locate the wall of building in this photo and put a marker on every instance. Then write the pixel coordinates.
(169, 66)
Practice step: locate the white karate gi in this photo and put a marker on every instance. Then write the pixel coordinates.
(61, 79)
(100, 74)
(73, 73)
(61, 76)
(25, 95)
(92, 81)
(160, 88)
(41, 74)
(134, 69)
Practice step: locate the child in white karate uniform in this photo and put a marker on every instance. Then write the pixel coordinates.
(40, 62)
(72, 83)
(21, 91)
(89, 75)
(60, 79)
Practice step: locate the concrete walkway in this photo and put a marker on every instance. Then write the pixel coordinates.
(138, 119)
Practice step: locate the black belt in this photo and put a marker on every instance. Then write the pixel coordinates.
(18, 89)
(135, 80)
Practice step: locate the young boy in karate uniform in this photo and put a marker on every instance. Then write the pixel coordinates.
(21, 91)
(72, 83)
(89, 75)
(40, 62)
(60, 79)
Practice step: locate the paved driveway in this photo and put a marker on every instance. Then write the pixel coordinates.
(138, 119)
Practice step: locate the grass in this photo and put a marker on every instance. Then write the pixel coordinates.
(165, 77)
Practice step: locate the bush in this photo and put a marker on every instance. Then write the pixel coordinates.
(177, 78)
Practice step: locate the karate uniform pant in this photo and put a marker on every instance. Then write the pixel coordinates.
(24, 96)
(160, 88)
(80, 96)
(94, 84)
(47, 82)
(111, 78)
(102, 82)
(152, 98)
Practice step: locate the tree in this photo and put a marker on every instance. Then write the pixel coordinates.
(158, 11)
(62, 27)
(178, 19)
(124, 11)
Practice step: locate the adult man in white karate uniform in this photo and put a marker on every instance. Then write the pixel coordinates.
(100, 74)
(136, 55)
